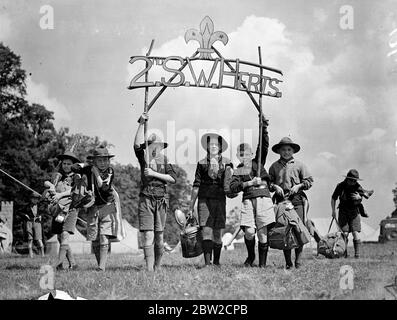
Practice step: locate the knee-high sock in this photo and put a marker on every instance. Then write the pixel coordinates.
(263, 249)
(217, 247)
(103, 255)
(158, 254)
(298, 254)
(250, 244)
(356, 244)
(207, 248)
(149, 257)
(95, 248)
(69, 256)
(287, 256)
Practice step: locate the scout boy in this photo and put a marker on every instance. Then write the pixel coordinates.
(64, 218)
(257, 210)
(33, 225)
(208, 188)
(153, 197)
(289, 179)
(101, 216)
(350, 195)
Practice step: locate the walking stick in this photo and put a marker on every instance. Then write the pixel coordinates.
(19, 182)
(146, 105)
(260, 116)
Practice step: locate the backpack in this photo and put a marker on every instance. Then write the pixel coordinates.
(333, 245)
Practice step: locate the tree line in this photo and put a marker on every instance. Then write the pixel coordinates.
(29, 144)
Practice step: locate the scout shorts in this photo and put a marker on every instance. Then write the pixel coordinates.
(69, 224)
(100, 221)
(349, 222)
(152, 213)
(212, 213)
(34, 230)
(257, 212)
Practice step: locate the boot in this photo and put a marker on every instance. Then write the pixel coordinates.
(288, 260)
(250, 244)
(263, 248)
(95, 249)
(298, 254)
(31, 253)
(103, 256)
(356, 244)
(42, 252)
(207, 249)
(149, 257)
(217, 253)
(158, 254)
(61, 256)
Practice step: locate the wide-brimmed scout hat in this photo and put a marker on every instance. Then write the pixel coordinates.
(353, 174)
(286, 141)
(100, 152)
(207, 136)
(155, 139)
(68, 155)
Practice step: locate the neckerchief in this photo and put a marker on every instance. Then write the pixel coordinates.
(213, 166)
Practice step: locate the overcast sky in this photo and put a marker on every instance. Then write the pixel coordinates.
(338, 85)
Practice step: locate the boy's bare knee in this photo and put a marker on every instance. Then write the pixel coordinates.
(148, 237)
(249, 233)
(207, 233)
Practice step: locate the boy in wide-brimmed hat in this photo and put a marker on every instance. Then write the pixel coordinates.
(257, 210)
(289, 179)
(101, 223)
(350, 194)
(153, 197)
(64, 218)
(208, 189)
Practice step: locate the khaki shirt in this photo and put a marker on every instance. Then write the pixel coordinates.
(287, 174)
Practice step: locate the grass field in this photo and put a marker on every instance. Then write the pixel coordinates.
(125, 277)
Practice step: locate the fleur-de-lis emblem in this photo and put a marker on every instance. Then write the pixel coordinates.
(206, 37)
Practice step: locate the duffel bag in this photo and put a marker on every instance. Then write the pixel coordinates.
(282, 238)
(332, 246)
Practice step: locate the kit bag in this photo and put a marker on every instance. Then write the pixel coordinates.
(191, 239)
(333, 245)
(282, 236)
(81, 196)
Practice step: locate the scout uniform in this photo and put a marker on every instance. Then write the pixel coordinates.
(63, 183)
(211, 207)
(101, 223)
(257, 209)
(33, 227)
(287, 174)
(350, 206)
(153, 200)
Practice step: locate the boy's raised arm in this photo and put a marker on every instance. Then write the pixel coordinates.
(139, 136)
(265, 142)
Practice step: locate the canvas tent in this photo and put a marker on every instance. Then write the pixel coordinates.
(130, 243)
(77, 242)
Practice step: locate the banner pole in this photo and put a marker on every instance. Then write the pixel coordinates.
(260, 115)
(145, 125)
